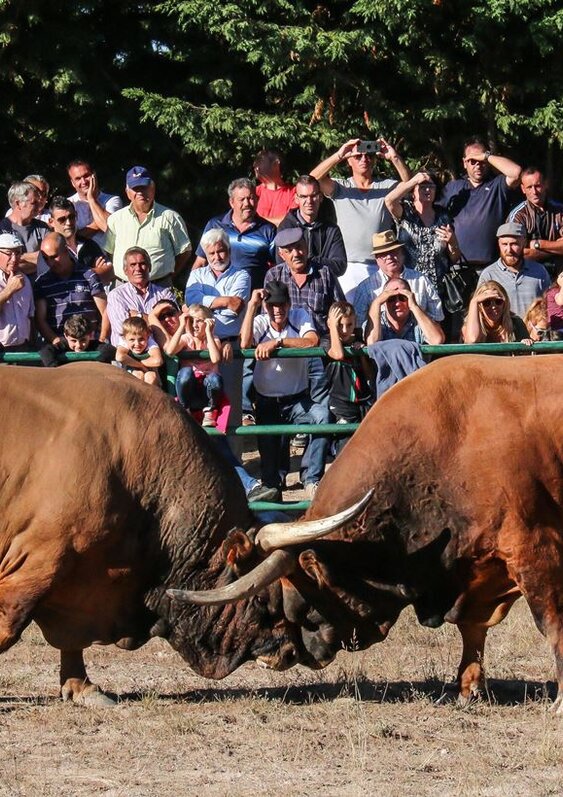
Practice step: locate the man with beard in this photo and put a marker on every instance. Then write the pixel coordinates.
(153, 227)
(224, 290)
(523, 280)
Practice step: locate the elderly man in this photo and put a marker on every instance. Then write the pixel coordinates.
(324, 239)
(390, 257)
(67, 289)
(311, 282)
(138, 295)
(25, 203)
(62, 219)
(145, 223)
(543, 220)
(16, 297)
(93, 207)
(395, 315)
(251, 237)
(225, 290)
(359, 202)
(281, 385)
(479, 201)
(523, 280)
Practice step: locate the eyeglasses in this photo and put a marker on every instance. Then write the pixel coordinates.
(541, 332)
(316, 195)
(167, 314)
(10, 253)
(493, 302)
(428, 186)
(388, 255)
(398, 297)
(362, 156)
(64, 219)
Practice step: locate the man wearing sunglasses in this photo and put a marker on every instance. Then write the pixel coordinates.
(359, 202)
(395, 314)
(479, 201)
(16, 296)
(523, 280)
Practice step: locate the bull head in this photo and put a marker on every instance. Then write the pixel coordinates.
(270, 540)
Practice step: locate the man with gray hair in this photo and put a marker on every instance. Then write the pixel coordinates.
(251, 237)
(226, 291)
(25, 203)
(16, 297)
(138, 295)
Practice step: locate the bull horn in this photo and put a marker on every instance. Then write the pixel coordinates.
(278, 535)
(278, 564)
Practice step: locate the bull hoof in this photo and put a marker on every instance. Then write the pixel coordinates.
(85, 694)
(473, 695)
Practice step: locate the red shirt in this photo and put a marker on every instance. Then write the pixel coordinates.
(275, 204)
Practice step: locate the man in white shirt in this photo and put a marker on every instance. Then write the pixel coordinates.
(282, 385)
(93, 207)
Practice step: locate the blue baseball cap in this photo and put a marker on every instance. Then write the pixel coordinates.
(137, 177)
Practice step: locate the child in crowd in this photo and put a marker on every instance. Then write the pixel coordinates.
(78, 337)
(349, 378)
(536, 320)
(136, 341)
(198, 386)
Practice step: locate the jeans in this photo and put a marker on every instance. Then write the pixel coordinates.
(248, 481)
(195, 393)
(291, 409)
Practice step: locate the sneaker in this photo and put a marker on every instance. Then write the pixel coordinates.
(248, 419)
(209, 417)
(261, 492)
(310, 490)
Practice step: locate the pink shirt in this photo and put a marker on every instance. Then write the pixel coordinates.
(554, 310)
(203, 367)
(15, 314)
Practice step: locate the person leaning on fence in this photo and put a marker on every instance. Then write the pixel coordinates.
(348, 377)
(136, 341)
(281, 384)
(199, 386)
(78, 337)
(489, 318)
(554, 300)
(16, 297)
(536, 320)
(395, 314)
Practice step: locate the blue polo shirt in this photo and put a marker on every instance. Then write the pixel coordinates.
(253, 248)
(477, 212)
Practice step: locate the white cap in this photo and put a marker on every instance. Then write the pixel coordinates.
(10, 241)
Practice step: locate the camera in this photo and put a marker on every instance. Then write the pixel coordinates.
(369, 147)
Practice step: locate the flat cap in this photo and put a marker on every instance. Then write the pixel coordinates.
(10, 241)
(288, 237)
(511, 228)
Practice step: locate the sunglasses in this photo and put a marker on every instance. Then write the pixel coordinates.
(362, 156)
(541, 332)
(64, 219)
(473, 162)
(493, 303)
(167, 314)
(398, 297)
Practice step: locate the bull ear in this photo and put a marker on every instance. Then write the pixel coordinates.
(314, 569)
(236, 548)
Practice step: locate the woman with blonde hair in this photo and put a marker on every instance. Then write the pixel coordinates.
(489, 319)
(536, 320)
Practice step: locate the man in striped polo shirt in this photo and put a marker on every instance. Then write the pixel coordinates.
(67, 289)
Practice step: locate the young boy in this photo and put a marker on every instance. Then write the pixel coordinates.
(350, 395)
(78, 337)
(198, 386)
(135, 342)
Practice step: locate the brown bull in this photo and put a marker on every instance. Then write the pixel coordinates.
(465, 460)
(109, 496)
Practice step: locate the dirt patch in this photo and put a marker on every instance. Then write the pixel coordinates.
(382, 722)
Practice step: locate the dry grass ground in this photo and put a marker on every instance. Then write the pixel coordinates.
(382, 722)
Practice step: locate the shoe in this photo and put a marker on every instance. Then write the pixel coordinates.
(209, 417)
(261, 492)
(310, 490)
(248, 419)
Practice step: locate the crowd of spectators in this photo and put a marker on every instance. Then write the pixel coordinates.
(333, 261)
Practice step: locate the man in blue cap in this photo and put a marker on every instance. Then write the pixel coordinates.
(147, 224)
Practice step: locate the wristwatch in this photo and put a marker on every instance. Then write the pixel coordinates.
(486, 155)
(537, 244)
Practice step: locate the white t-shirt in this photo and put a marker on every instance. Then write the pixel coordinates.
(84, 216)
(282, 376)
